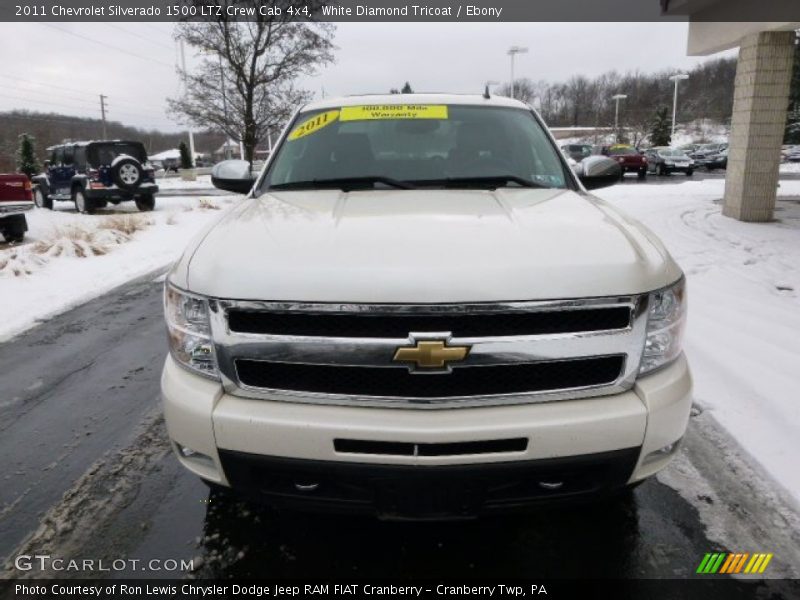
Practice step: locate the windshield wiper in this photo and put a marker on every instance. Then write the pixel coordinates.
(493, 181)
(345, 184)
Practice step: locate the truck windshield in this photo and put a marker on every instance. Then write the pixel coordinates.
(402, 146)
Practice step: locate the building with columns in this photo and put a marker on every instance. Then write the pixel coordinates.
(761, 93)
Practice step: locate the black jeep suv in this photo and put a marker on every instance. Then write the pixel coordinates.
(91, 174)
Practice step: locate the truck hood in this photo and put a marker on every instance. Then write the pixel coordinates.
(423, 246)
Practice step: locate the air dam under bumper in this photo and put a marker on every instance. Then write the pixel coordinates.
(587, 445)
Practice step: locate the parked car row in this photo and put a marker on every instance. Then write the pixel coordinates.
(662, 160)
(630, 159)
(790, 153)
(89, 174)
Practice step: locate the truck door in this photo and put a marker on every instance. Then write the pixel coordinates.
(61, 170)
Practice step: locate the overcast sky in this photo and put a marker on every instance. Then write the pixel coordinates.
(63, 67)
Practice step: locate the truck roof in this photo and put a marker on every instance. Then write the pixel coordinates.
(465, 99)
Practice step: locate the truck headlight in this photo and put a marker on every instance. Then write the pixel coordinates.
(189, 331)
(666, 318)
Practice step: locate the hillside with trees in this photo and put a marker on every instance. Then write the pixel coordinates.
(586, 102)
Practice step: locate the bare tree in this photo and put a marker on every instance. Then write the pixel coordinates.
(525, 90)
(246, 81)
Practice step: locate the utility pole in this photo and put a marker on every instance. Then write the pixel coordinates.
(676, 78)
(224, 103)
(103, 114)
(617, 98)
(513, 51)
(191, 134)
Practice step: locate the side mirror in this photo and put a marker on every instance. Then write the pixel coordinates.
(598, 171)
(233, 176)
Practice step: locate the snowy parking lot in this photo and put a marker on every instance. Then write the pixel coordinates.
(69, 258)
(744, 309)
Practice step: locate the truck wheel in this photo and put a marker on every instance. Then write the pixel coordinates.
(146, 203)
(127, 174)
(661, 171)
(642, 173)
(689, 172)
(14, 228)
(83, 204)
(41, 199)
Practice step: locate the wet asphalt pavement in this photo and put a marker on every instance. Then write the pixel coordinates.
(88, 473)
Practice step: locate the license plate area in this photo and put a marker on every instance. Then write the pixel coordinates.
(428, 498)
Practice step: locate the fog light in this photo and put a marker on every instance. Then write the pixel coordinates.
(661, 453)
(195, 456)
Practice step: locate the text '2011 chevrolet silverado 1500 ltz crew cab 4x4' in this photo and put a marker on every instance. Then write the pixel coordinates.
(419, 311)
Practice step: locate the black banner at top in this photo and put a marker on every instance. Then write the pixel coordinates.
(420, 11)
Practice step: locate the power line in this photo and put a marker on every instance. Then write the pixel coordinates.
(159, 119)
(141, 37)
(47, 84)
(107, 45)
(64, 120)
(90, 94)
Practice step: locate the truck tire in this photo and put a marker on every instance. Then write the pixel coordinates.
(83, 204)
(14, 228)
(642, 174)
(146, 203)
(127, 173)
(41, 199)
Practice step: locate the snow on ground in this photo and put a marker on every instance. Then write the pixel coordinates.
(176, 183)
(743, 333)
(69, 258)
(790, 167)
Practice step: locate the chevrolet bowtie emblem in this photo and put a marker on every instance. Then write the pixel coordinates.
(430, 355)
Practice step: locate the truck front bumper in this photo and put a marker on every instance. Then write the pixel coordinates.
(421, 463)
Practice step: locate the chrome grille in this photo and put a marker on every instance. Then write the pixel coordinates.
(599, 340)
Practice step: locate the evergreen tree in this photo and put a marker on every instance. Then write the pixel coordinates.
(406, 89)
(660, 134)
(26, 156)
(186, 159)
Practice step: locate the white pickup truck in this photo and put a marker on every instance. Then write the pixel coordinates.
(419, 311)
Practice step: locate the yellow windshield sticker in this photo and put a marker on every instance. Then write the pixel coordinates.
(314, 124)
(393, 111)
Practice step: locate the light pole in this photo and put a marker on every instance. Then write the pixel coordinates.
(617, 97)
(185, 90)
(676, 78)
(513, 51)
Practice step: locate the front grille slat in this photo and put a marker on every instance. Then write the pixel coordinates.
(462, 381)
(345, 354)
(365, 325)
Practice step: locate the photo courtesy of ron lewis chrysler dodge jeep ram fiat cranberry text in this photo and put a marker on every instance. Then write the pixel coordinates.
(419, 311)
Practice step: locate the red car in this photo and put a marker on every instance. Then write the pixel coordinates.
(15, 199)
(628, 157)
